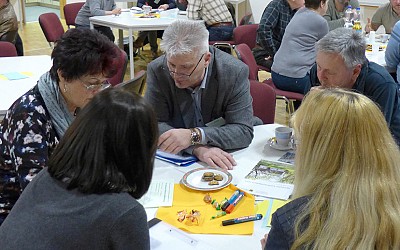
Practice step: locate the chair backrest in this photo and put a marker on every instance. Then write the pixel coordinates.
(122, 63)
(71, 11)
(244, 54)
(51, 27)
(264, 101)
(135, 85)
(246, 34)
(7, 49)
(245, 19)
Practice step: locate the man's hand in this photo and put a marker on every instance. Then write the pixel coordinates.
(163, 7)
(183, 2)
(174, 140)
(214, 157)
(368, 26)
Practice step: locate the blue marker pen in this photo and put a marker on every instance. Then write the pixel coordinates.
(242, 219)
(231, 200)
(231, 206)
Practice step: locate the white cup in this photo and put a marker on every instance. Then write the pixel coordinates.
(146, 9)
(283, 135)
(384, 38)
(371, 37)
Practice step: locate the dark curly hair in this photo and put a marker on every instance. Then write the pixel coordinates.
(81, 52)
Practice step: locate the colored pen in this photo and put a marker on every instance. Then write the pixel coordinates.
(231, 200)
(242, 219)
(231, 206)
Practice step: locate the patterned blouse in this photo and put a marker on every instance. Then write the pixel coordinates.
(27, 138)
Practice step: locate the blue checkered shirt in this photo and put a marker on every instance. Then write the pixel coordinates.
(274, 20)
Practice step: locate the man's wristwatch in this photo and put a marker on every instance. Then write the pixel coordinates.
(195, 136)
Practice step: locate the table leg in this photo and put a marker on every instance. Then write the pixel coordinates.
(121, 38)
(131, 58)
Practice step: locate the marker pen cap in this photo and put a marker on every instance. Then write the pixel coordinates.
(225, 205)
(228, 222)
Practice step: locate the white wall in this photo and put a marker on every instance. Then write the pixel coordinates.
(17, 8)
(257, 8)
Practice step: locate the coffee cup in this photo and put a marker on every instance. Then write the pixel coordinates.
(384, 38)
(283, 135)
(146, 9)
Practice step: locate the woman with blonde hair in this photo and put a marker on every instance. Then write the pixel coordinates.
(347, 189)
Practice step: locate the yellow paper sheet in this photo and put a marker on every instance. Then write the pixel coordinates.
(188, 199)
(267, 208)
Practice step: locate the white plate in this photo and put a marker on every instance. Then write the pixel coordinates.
(273, 144)
(192, 179)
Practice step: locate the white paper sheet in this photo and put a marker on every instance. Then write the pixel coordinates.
(160, 194)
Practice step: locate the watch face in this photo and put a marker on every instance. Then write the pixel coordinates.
(195, 137)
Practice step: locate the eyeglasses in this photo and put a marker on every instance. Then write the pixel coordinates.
(97, 87)
(180, 75)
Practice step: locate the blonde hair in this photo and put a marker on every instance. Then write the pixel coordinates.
(348, 163)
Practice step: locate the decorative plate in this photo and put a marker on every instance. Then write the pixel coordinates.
(193, 179)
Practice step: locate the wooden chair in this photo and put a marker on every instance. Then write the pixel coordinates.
(51, 27)
(135, 85)
(245, 55)
(7, 49)
(246, 34)
(264, 101)
(122, 63)
(71, 11)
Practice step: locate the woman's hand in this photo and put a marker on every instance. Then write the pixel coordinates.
(116, 11)
(264, 241)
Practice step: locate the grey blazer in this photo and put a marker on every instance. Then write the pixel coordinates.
(226, 95)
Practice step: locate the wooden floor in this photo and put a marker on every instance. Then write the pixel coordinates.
(35, 44)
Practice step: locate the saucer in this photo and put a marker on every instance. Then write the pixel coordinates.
(273, 144)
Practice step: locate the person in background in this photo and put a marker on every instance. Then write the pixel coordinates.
(341, 62)
(335, 14)
(216, 16)
(386, 15)
(392, 53)
(97, 8)
(83, 59)
(296, 55)
(346, 187)
(152, 35)
(86, 198)
(274, 20)
(8, 22)
(201, 96)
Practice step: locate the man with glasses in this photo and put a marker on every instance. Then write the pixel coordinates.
(201, 96)
(341, 63)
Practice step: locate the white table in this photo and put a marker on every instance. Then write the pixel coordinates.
(11, 90)
(127, 21)
(246, 159)
(376, 57)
